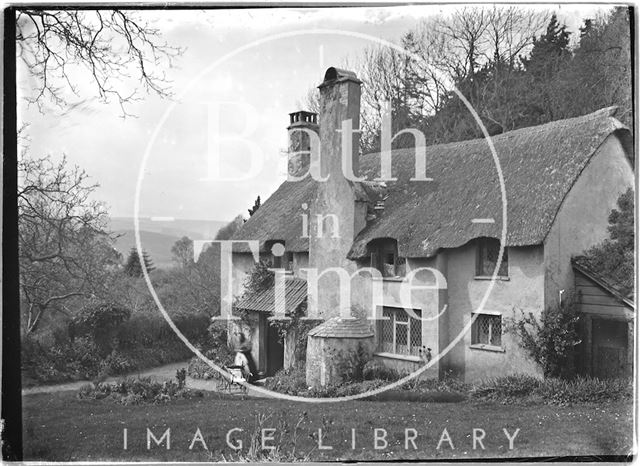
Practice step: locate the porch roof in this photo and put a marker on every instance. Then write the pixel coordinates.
(295, 293)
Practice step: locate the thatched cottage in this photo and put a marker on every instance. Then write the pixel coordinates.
(561, 181)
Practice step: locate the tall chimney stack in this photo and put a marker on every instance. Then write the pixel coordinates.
(332, 236)
(339, 102)
(344, 214)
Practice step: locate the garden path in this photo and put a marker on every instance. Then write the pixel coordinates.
(162, 373)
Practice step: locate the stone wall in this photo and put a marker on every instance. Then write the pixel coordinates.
(327, 358)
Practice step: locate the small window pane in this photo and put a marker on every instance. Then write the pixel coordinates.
(416, 334)
(386, 332)
(402, 337)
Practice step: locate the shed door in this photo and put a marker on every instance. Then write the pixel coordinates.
(609, 348)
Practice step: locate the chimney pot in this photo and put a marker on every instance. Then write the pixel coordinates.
(334, 75)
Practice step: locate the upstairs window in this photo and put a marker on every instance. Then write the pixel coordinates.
(279, 257)
(384, 258)
(488, 250)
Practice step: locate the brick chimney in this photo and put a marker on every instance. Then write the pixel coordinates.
(335, 200)
(299, 141)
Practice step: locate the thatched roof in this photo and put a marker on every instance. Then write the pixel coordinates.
(540, 165)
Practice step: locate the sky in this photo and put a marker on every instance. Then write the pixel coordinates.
(220, 142)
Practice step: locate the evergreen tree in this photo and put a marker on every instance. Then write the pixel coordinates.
(132, 266)
(256, 206)
(621, 222)
(546, 86)
(615, 256)
(550, 51)
(600, 72)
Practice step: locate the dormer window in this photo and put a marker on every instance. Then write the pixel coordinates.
(488, 251)
(384, 258)
(279, 257)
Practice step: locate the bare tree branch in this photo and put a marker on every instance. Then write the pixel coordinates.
(117, 51)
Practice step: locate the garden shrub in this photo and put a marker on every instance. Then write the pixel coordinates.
(506, 388)
(116, 363)
(132, 391)
(553, 390)
(99, 322)
(288, 381)
(551, 342)
(376, 370)
(217, 350)
(199, 369)
(141, 341)
(585, 389)
(513, 388)
(448, 383)
(78, 358)
(345, 389)
(350, 363)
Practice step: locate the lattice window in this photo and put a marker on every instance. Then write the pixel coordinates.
(487, 330)
(401, 334)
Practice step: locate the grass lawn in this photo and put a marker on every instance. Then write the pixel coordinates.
(60, 427)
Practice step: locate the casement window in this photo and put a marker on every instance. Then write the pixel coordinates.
(384, 258)
(488, 250)
(401, 333)
(487, 331)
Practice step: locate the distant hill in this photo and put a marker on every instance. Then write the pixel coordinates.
(156, 244)
(159, 235)
(194, 229)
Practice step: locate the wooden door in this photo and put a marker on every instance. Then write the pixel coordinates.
(275, 351)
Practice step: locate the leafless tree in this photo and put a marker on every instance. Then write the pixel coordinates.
(444, 51)
(311, 101)
(115, 50)
(64, 249)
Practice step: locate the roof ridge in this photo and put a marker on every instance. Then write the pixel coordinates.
(604, 113)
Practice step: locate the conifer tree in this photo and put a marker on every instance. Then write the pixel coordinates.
(133, 267)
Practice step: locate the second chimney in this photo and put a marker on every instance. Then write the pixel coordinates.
(299, 141)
